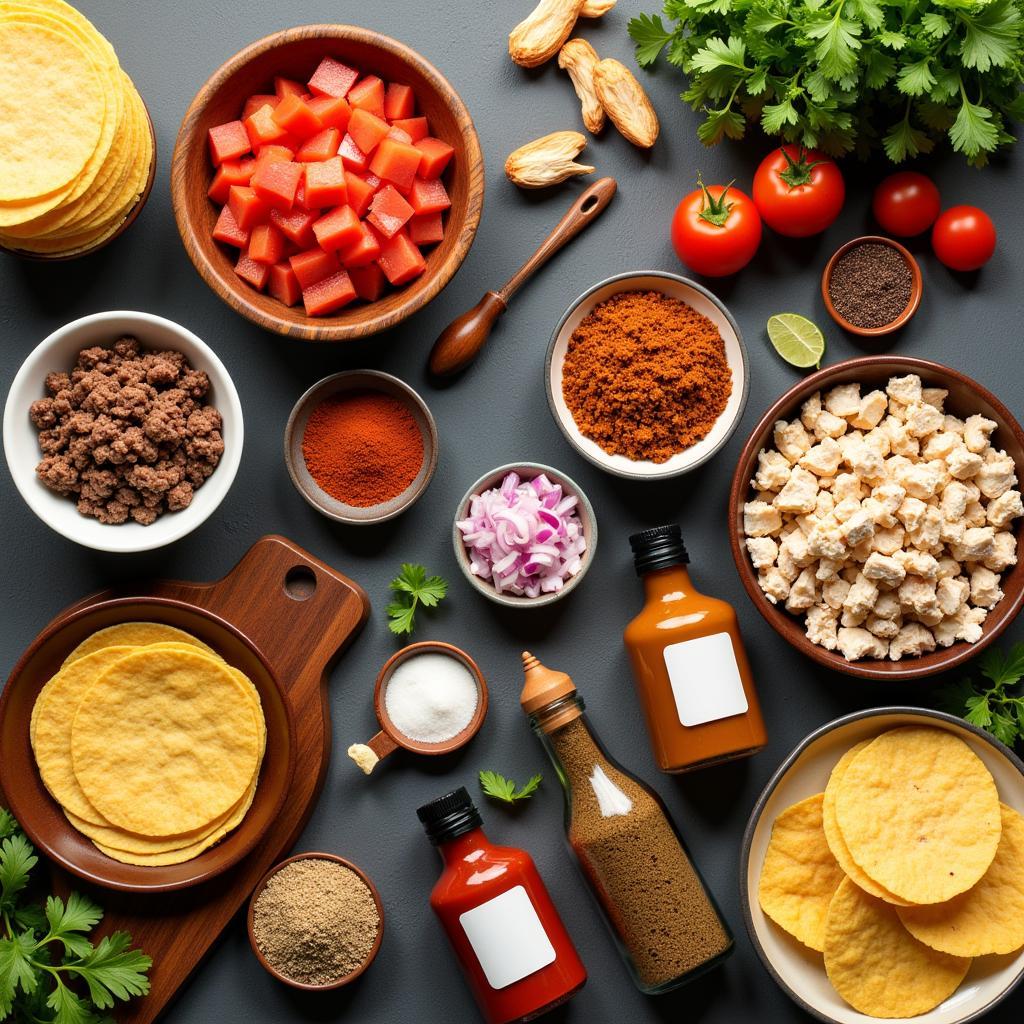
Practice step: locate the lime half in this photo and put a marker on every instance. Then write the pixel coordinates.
(796, 339)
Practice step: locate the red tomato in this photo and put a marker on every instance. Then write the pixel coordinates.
(964, 238)
(716, 230)
(798, 191)
(906, 203)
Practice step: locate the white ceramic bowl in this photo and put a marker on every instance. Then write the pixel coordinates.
(21, 446)
(798, 970)
(704, 302)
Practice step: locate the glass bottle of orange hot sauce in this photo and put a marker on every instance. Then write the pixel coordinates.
(691, 671)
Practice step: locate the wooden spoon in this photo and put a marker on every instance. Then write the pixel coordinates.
(458, 344)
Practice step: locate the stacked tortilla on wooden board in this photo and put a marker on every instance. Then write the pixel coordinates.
(75, 140)
(150, 742)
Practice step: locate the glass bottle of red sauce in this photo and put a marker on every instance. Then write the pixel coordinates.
(511, 943)
(692, 673)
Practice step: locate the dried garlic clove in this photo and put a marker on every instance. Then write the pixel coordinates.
(596, 8)
(363, 756)
(547, 161)
(540, 36)
(579, 58)
(626, 103)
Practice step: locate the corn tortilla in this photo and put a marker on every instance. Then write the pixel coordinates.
(134, 634)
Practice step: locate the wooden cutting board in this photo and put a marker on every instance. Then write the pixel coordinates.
(300, 614)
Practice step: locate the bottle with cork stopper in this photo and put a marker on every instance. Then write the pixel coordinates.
(690, 668)
(663, 919)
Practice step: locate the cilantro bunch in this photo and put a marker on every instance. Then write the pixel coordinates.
(997, 706)
(412, 588)
(843, 75)
(49, 970)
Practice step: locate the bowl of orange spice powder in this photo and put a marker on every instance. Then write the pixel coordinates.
(361, 446)
(647, 375)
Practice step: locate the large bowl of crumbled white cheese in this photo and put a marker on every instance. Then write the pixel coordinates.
(876, 517)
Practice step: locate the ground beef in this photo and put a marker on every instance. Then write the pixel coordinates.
(126, 433)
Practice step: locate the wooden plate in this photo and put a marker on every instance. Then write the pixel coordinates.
(41, 816)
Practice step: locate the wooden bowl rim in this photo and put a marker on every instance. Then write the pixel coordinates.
(889, 671)
(262, 884)
(314, 329)
(243, 848)
(460, 739)
(916, 287)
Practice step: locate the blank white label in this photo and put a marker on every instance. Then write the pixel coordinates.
(508, 938)
(705, 679)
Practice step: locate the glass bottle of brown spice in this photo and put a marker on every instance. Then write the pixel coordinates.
(664, 920)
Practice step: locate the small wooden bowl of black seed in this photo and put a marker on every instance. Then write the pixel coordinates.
(871, 286)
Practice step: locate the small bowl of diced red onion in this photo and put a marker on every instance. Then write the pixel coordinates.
(524, 535)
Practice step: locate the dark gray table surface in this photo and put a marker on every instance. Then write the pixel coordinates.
(496, 414)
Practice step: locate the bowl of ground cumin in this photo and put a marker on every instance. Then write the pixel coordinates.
(647, 375)
(315, 921)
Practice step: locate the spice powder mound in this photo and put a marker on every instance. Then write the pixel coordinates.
(362, 447)
(315, 921)
(646, 376)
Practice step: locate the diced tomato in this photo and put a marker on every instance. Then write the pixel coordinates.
(399, 101)
(227, 230)
(337, 229)
(368, 281)
(365, 251)
(333, 112)
(287, 87)
(271, 154)
(231, 172)
(325, 183)
(416, 127)
(396, 162)
(399, 135)
(266, 244)
(301, 202)
(283, 284)
(389, 212)
(228, 142)
(354, 158)
(293, 114)
(332, 78)
(426, 228)
(367, 129)
(368, 95)
(313, 265)
(328, 295)
(429, 196)
(296, 226)
(360, 192)
(250, 270)
(321, 146)
(276, 183)
(263, 129)
(400, 260)
(248, 208)
(260, 99)
(436, 155)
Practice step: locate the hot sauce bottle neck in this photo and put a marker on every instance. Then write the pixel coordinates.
(660, 559)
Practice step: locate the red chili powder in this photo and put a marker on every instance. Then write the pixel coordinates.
(362, 447)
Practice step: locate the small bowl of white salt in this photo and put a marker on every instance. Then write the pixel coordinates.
(430, 698)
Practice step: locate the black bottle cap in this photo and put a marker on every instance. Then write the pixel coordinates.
(449, 816)
(658, 548)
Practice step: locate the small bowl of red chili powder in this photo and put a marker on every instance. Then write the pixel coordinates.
(361, 446)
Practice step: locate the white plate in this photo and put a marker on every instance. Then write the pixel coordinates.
(798, 970)
(21, 444)
(704, 302)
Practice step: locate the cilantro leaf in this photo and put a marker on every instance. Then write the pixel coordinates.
(16, 969)
(650, 36)
(500, 788)
(915, 79)
(17, 858)
(836, 51)
(935, 24)
(903, 141)
(413, 587)
(996, 708)
(991, 35)
(8, 825)
(114, 971)
(529, 787)
(69, 1008)
(719, 124)
(79, 915)
(974, 130)
(776, 115)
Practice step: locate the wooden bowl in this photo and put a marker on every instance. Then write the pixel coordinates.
(966, 396)
(916, 287)
(42, 818)
(296, 52)
(272, 971)
(799, 971)
(358, 380)
(124, 226)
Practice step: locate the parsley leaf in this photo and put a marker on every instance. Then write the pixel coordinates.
(500, 788)
(998, 708)
(412, 588)
(650, 36)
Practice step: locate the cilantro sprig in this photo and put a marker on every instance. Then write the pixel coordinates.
(997, 708)
(44, 950)
(413, 587)
(500, 788)
(840, 75)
